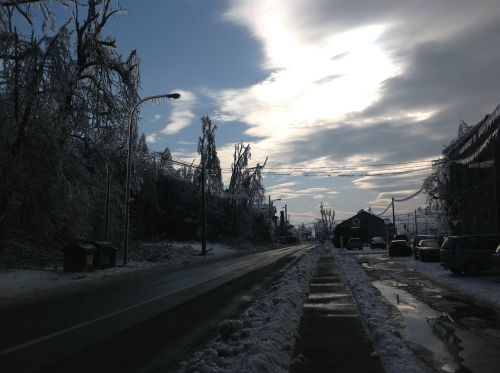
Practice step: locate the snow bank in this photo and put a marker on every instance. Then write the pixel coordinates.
(22, 284)
(262, 338)
(483, 288)
(382, 321)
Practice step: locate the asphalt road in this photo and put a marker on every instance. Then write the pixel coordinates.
(42, 333)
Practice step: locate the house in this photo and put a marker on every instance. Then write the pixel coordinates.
(363, 225)
(474, 177)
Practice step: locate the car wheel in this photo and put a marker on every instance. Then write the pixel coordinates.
(472, 269)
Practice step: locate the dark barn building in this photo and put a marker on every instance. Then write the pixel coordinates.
(363, 225)
(474, 177)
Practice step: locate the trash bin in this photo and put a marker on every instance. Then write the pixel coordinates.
(79, 257)
(106, 254)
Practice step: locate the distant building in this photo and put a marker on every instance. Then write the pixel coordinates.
(363, 225)
(474, 176)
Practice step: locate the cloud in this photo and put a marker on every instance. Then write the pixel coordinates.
(182, 114)
(287, 193)
(182, 142)
(152, 138)
(363, 82)
(297, 218)
(391, 67)
(280, 185)
(156, 118)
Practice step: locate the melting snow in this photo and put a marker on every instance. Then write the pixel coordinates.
(262, 338)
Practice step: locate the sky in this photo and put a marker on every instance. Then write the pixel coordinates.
(319, 87)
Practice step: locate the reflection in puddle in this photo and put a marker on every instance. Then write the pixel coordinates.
(421, 326)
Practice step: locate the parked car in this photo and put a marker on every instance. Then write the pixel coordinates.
(355, 243)
(495, 260)
(427, 250)
(377, 242)
(420, 237)
(468, 253)
(399, 237)
(400, 248)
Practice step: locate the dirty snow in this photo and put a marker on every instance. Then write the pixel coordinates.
(483, 288)
(262, 338)
(17, 285)
(383, 322)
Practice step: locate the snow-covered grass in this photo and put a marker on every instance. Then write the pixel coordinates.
(382, 321)
(18, 285)
(262, 338)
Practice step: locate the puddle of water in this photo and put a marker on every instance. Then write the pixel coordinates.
(420, 328)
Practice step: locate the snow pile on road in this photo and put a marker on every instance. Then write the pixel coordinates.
(262, 338)
(382, 321)
(23, 284)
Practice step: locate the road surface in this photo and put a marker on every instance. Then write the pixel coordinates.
(126, 317)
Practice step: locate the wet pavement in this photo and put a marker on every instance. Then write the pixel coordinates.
(331, 336)
(446, 330)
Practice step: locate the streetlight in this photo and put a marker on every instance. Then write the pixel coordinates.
(271, 203)
(156, 98)
(271, 214)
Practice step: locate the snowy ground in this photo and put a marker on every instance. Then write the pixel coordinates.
(385, 323)
(262, 338)
(382, 321)
(484, 288)
(17, 285)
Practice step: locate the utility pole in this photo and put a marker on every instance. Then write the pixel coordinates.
(203, 212)
(270, 218)
(106, 219)
(270, 211)
(416, 226)
(286, 220)
(394, 218)
(496, 205)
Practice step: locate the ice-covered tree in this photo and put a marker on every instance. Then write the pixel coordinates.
(209, 158)
(64, 99)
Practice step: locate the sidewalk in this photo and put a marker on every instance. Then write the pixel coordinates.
(331, 335)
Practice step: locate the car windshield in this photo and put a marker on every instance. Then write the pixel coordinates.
(378, 240)
(429, 243)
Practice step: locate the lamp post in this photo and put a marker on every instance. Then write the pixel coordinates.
(157, 98)
(271, 214)
(271, 203)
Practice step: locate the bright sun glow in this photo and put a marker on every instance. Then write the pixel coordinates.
(314, 84)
